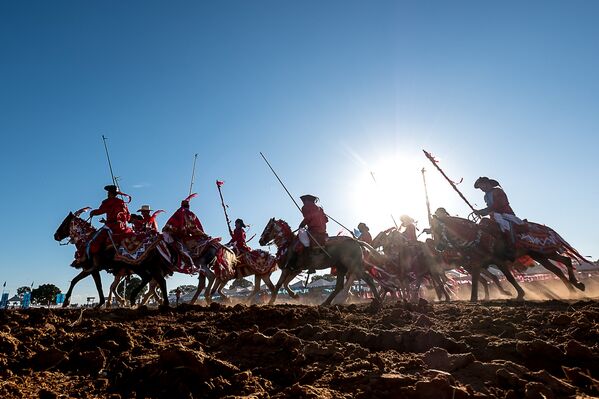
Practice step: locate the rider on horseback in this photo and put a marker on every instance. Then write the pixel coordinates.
(237, 242)
(117, 216)
(182, 226)
(500, 211)
(145, 222)
(364, 233)
(312, 232)
(409, 232)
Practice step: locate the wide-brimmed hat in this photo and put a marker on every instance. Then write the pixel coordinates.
(405, 219)
(441, 212)
(145, 208)
(240, 222)
(483, 180)
(361, 224)
(111, 188)
(309, 197)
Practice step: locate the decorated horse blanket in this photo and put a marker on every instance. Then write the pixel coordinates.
(135, 248)
(259, 261)
(222, 265)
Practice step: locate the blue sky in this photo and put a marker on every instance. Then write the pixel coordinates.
(327, 90)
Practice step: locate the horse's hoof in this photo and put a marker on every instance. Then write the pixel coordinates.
(579, 285)
(294, 296)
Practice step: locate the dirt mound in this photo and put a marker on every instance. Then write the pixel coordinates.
(494, 350)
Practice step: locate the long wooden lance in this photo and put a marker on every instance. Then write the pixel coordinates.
(222, 202)
(428, 203)
(294, 201)
(193, 173)
(114, 181)
(451, 183)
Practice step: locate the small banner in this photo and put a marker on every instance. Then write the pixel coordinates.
(59, 299)
(4, 300)
(26, 300)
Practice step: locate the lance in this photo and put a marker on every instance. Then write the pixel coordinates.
(294, 201)
(193, 173)
(222, 202)
(392, 217)
(428, 203)
(451, 183)
(114, 181)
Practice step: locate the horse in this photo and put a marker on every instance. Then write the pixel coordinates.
(485, 245)
(258, 263)
(79, 232)
(344, 253)
(212, 260)
(410, 261)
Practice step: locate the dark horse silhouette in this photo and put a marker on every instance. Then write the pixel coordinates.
(154, 266)
(344, 253)
(485, 244)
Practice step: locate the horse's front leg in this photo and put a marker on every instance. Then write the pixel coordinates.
(67, 298)
(98, 281)
(282, 278)
(338, 287)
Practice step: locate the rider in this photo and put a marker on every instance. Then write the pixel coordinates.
(409, 229)
(183, 224)
(410, 252)
(499, 209)
(312, 230)
(146, 222)
(364, 233)
(117, 216)
(238, 238)
(181, 227)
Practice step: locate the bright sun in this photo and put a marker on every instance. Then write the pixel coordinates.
(391, 186)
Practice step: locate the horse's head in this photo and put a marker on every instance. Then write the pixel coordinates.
(269, 232)
(63, 230)
(74, 227)
(275, 230)
(451, 231)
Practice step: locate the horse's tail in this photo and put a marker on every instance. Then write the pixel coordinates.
(225, 262)
(569, 250)
(563, 247)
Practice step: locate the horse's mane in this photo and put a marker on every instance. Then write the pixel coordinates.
(462, 227)
(284, 226)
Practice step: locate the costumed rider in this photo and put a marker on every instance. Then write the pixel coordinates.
(183, 226)
(500, 211)
(409, 227)
(146, 221)
(115, 223)
(364, 233)
(237, 242)
(313, 228)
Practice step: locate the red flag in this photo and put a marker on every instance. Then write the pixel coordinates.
(219, 183)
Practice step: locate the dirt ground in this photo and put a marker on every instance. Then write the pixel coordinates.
(496, 349)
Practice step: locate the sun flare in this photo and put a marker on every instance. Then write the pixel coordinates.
(390, 187)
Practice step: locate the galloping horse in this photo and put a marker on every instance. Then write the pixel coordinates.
(79, 231)
(485, 244)
(405, 259)
(344, 253)
(258, 263)
(213, 261)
